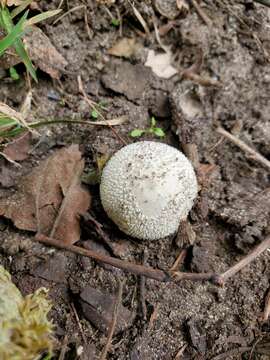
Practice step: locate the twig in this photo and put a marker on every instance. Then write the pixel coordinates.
(157, 274)
(118, 301)
(179, 260)
(247, 149)
(264, 245)
(92, 105)
(142, 289)
(198, 79)
(153, 317)
(98, 227)
(68, 12)
(180, 352)
(201, 13)
(78, 322)
(232, 352)
(266, 312)
(140, 19)
(263, 2)
(136, 269)
(64, 348)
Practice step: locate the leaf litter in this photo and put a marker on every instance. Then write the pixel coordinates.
(161, 64)
(50, 198)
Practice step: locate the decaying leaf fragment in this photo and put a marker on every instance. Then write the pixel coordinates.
(40, 50)
(125, 47)
(161, 64)
(50, 199)
(25, 331)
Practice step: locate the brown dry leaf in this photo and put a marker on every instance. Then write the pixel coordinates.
(50, 198)
(125, 47)
(18, 149)
(43, 53)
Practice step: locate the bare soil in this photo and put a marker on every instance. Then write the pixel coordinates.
(231, 214)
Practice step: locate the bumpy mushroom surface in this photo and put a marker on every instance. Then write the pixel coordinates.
(147, 188)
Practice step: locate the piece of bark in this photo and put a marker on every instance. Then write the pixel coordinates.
(98, 308)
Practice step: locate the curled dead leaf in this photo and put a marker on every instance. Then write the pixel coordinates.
(50, 199)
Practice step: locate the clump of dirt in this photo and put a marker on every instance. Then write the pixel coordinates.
(231, 215)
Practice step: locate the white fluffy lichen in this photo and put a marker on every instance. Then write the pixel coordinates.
(147, 188)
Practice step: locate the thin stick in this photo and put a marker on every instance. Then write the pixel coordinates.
(178, 356)
(153, 317)
(142, 289)
(247, 149)
(92, 105)
(157, 274)
(68, 12)
(179, 260)
(118, 301)
(264, 245)
(263, 2)
(237, 351)
(98, 227)
(266, 312)
(63, 349)
(136, 269)
(201, 13)
(78, 322)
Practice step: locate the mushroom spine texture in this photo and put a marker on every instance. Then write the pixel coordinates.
(147, 188)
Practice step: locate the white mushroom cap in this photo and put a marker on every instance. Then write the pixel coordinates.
(147, 188)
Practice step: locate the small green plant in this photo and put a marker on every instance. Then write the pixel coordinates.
(115, 22)
(96, 112)
(14, 29)
(153, 129)
(13, 74)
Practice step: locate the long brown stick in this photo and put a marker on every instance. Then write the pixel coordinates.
(136, 269)
(247, 149)
(157, 274)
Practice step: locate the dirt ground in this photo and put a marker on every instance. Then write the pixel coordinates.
(189, 320)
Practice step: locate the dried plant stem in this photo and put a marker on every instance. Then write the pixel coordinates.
(157, 274)
(201, 13)
(263, 2)
(118, 301)
(180, 259)
(93, 106)
(264, 245)
(266, 312)
(247, 149)
(136, 269)
(142, 282)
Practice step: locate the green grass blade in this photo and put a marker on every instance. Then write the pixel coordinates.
(6, 122)
(20, 49)
(43, 16)
(14, 34)
(18, 44)
(20, 8)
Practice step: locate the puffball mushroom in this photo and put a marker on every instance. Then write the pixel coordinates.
(147, 188)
